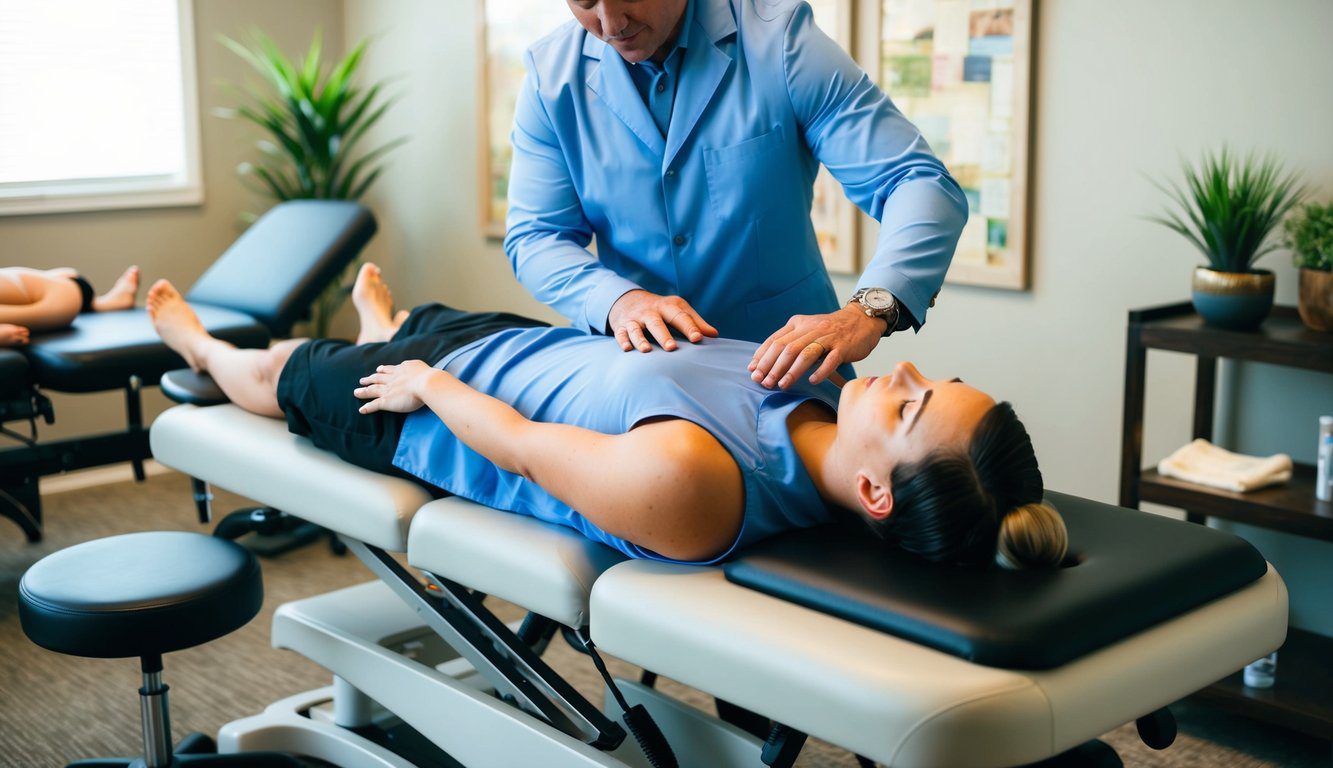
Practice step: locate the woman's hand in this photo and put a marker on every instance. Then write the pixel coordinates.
(397, 388)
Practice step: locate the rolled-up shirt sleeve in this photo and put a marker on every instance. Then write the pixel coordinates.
(882, 162)
(546, 233)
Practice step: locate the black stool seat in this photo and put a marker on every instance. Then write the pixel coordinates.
(140, 594)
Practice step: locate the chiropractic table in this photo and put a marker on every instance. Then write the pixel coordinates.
(903, 663)
(255, 291)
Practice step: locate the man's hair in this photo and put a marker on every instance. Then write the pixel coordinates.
(950, 507)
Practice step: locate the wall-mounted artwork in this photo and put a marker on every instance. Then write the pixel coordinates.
(833, 214)
(959, 70)
(505, 30)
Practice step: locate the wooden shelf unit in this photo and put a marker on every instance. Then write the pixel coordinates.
(1302, 698)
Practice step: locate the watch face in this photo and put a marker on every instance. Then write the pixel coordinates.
(878, 298)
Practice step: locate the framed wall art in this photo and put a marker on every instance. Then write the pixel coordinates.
(505, 30)
(960, 70)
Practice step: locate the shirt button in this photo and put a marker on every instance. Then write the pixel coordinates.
(678, 240)
(670, 172)
(661, 87)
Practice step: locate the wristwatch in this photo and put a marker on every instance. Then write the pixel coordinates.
(878, 302)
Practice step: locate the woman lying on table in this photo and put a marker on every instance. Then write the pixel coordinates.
(36, 300)
(674, 456)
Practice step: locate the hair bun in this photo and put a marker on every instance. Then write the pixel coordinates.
(1032, 536)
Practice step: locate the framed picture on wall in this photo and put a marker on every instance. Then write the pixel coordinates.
(960, 70)
(505, 30)
(833, 214)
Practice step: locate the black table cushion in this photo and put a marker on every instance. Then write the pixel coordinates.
(139, 594)
(103, 349)
(13, 374)
(1129, 570)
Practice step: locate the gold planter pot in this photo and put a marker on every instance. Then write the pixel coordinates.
(1316, 303)
(1238, 301)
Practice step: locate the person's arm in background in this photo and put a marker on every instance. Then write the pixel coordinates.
(547, 239)
(886, 168)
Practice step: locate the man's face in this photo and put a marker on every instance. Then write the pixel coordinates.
(637, 29)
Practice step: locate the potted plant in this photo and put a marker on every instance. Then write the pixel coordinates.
(314, 117)
(1227, 209)
(1310, 238)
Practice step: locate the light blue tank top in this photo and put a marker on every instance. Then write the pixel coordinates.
(563, 375)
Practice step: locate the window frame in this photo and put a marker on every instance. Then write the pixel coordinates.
(156, 191)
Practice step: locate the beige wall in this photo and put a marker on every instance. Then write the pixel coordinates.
(175, 243)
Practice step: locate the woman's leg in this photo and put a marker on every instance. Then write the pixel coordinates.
(249, 377)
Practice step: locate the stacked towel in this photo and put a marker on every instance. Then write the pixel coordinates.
(1204, 463)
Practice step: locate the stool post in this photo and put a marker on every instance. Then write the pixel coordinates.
(156, 718)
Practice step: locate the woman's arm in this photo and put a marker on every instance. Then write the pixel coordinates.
(683, 496)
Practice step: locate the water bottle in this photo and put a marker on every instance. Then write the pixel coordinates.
(1323, 486)
(1262, 672)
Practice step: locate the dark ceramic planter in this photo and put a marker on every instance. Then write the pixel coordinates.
(1238, 301)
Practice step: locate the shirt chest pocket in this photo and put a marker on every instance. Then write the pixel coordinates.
(745, 178)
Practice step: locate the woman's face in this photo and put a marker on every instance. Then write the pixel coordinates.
(902, 417)
(637, 29)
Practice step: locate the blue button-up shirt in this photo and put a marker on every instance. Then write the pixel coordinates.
(717, 209)
(657, 83)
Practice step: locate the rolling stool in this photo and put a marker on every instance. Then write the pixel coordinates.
(146, 594)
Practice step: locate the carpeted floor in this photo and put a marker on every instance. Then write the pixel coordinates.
(54, 708)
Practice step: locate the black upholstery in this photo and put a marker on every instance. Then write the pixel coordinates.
(1129, 571)
(139, 594)
(103, 349)
(281, 263)
(13, 374)
(186, 386)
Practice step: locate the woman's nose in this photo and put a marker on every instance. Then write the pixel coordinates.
(906, 372)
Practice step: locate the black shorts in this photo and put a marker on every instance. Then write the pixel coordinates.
(315, 388)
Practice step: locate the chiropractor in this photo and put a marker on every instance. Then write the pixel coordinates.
(685, 135)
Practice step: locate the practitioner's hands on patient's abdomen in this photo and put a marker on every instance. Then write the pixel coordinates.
(640, 314)
(846, 335)
(397, 388)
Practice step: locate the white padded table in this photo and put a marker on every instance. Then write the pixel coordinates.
(545, 568)
(903, 704)
(256, 456)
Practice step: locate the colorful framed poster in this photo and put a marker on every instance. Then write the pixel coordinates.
(505, 30)
(832, 213)
(960, 70)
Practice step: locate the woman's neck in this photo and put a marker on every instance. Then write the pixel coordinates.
(814, 433)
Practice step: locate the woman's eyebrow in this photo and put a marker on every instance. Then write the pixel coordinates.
(955, 381)
(916, 417)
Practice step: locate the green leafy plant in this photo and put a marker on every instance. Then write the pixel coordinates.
(1310, 237)
(313, 117)
(1229, 206)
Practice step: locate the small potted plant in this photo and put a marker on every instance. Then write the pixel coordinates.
(1310, 238)
(1228, 208)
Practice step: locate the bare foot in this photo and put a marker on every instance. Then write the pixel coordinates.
(121, 295)
(176, 322)
(374, 306)
(13, 335)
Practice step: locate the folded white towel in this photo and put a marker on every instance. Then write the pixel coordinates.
(1204, 463)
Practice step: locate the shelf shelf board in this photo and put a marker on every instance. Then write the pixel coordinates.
(1291, 507)
(1301, 698)
(1282, 339)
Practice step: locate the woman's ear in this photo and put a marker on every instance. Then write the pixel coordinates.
(876, 498)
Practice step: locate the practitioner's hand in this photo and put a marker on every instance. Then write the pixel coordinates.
(639, 311)
(13, 335)
(845, 336)
(397, 388)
